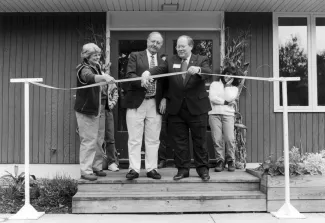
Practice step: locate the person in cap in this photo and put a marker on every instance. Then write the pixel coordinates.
(223, 94)
(90, 112)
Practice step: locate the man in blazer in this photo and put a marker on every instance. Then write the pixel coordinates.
(144, 108)
(187, 106)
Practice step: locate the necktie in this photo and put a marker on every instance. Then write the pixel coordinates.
(152, 62)
(151, 89)
(184, 68)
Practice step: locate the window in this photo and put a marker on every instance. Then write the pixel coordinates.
(299, 51)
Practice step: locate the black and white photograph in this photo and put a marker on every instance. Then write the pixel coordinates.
(162, 111)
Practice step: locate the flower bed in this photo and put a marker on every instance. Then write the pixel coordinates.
(307, 184)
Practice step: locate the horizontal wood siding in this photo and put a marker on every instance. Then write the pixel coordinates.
(265, 131)
(46, 46)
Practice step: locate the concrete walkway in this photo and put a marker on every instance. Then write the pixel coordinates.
(165, 218)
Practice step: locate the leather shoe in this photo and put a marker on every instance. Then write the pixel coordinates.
(154, 174)
(100, 173)
(205, 176)
(181, 175)
(220, 166)
(132, 174)
(231, 166)
(162, 164)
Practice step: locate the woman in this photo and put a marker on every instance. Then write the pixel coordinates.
(90, 112)
(223, 94)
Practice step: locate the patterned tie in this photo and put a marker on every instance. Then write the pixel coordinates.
(152, 61)
(184, 68)
(151, 90)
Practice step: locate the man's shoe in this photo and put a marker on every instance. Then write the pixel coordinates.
(132, 174)
(113, 167)
(181, 174)
(90, 177)
(162, 164)
(205, 176)
(154, 174)
(231, 166)
(100, 173)
(204, 173)
(220, 166)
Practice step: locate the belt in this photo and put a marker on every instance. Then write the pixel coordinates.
(149, 97)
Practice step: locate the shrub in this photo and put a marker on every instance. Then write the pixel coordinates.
(57, 192)
(299, 164)
(49, 195)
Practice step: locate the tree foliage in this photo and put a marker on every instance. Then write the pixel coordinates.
(293, 62)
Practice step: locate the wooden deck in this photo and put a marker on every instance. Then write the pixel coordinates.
(225, 192)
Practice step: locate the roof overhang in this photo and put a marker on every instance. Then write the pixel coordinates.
(317, 6)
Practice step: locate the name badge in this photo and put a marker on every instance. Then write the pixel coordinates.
(176, 66)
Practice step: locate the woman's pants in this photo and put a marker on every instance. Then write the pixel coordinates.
(91, 133)
(223, 126)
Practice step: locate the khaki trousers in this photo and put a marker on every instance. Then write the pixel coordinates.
(147, 120)
(91, 133)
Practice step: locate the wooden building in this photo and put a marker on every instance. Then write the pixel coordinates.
(44, 39)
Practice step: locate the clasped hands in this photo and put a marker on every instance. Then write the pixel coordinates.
(147, 78)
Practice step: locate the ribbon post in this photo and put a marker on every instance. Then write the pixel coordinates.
(27, 212)
(287, 210)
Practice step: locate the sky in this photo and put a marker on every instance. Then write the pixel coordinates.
(285, 33)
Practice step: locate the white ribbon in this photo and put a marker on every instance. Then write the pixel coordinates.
(168, 75)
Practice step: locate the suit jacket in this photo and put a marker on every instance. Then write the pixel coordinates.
(137, 64)
(193, 92)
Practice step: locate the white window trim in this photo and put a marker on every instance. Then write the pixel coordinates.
(312, 67)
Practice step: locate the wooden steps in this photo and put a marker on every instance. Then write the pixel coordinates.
(225, 192)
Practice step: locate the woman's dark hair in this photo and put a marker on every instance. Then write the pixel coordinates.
(230, 71)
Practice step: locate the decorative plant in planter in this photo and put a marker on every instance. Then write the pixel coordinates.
(233, 63)
(299, 164)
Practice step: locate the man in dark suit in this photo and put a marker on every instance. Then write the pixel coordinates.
(187, 106)
(144, 108)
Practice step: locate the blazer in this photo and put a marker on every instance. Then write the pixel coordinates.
(193, 91)
(137, 64)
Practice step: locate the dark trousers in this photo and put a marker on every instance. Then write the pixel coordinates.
(178, 127)
(164, 143)
(109, 140)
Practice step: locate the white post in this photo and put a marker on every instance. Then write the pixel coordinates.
(287, 210)
(27, 212)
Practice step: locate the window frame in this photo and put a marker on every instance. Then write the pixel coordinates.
(312, 63)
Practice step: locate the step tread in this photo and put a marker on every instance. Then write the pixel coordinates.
(239, 176)
(188, 195)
